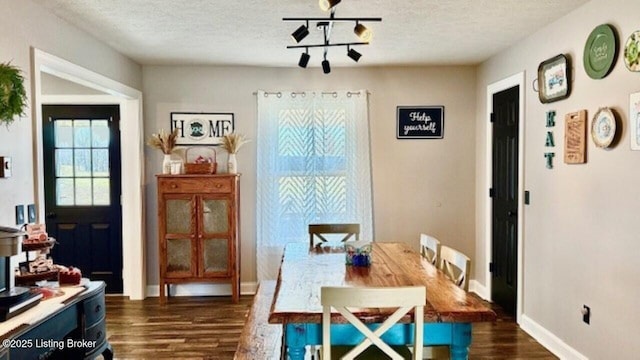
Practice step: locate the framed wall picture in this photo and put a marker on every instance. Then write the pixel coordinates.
(575, 133)
(554, 79)
(201, 128)
(634, 120)
(420, 122)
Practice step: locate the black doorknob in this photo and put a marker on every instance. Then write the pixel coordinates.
(51, 215)
(512, 213)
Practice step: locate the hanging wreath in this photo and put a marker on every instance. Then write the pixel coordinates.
(13, 97)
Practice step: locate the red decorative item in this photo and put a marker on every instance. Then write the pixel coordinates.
(71, 276)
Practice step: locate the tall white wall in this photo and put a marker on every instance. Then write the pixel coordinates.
(418, 185)
(581, 241)
(24, 25)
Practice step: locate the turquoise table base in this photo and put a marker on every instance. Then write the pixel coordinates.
(456, 335)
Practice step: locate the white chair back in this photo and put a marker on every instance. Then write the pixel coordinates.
(343, 298)
(456, 266)
(430, 248)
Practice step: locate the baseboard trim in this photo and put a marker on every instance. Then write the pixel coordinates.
(195, 289)
(549, 340)
(481, 290)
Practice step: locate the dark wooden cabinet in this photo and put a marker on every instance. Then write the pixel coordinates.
(198, 230)
(75, 331)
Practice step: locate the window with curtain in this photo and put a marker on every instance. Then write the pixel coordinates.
(313, 167)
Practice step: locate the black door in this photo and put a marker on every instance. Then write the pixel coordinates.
(504, 282)
(82, 189)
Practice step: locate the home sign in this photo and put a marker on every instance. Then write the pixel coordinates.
(420, 122)
(201, 128)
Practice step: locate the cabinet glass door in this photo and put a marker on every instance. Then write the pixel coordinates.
(180, 250)
(216, 236)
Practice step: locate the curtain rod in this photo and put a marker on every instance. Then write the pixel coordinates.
(303, 93)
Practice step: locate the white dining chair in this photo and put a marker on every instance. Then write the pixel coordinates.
(343, 299)
(319, 232)
(430, 248)
(456, 266)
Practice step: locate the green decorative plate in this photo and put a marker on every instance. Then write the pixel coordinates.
(600, 51)
(632, 52)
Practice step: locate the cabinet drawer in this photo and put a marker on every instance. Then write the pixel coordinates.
(94, 309)
(195, 185)
(97, 333)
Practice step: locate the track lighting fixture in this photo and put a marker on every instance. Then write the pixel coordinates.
(326, 5)
(304, 59)
(300, 33)
(354, 55)
(326, 25)
(363, 32)
(326, 67)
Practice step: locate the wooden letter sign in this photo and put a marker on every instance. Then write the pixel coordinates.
(575, 134)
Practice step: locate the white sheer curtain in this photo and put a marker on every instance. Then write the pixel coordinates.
(313, 167)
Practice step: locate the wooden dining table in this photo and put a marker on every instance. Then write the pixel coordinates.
(449, 312)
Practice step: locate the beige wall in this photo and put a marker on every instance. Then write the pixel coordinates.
(24, 25)
(418, 185)
(53, 85)
(581, 240)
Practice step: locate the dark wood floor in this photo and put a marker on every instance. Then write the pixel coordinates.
(209, 327)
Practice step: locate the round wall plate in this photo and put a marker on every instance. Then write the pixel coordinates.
(603, 128)
(632, 51)
(600, 51)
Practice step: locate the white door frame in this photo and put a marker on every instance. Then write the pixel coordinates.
(131, 132)
(514, 80)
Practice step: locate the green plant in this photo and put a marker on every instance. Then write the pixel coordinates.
(13, 97)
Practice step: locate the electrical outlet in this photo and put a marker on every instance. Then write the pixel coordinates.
(586, 314)
(31, 213)
(19, 214)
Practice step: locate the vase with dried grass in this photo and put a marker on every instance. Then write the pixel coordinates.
(231, 143)
(165, 142)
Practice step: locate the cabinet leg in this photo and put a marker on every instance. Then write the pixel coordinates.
(163, 300)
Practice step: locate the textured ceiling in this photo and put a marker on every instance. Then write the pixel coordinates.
(250, 32)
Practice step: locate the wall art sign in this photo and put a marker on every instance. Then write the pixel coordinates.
(634, 120)
(549, 141)
(603, 127)
(575, 144)
(632, 51)
(554, 79)
(420, 122)
(201, 128)
(600, 51)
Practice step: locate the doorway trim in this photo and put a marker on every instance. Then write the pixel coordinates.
(131, 133)
(504, 84)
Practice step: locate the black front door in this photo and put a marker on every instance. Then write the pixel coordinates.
(504, 282)
(81, 145)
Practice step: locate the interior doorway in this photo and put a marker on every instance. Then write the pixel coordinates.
(513, 215)
(504, 197)
(82, 172)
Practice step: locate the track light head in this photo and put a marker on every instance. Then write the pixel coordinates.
(300, 33)
(354, 55)
(304, 60)
(326, 5)
(326, 67)
(363, 32)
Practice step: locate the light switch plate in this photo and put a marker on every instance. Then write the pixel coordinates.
(19, 214)
(31, 213)
(5, 167)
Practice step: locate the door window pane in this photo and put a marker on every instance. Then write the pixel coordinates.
(216, 255)
(64, 162)
(64, 192)
(100, 133)
(64, 133)
(82, 162)
(101, 191)
(100, 162)
(178, 255)
(215, 216)
(82, 133)
(83, 191)
(178, 216)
